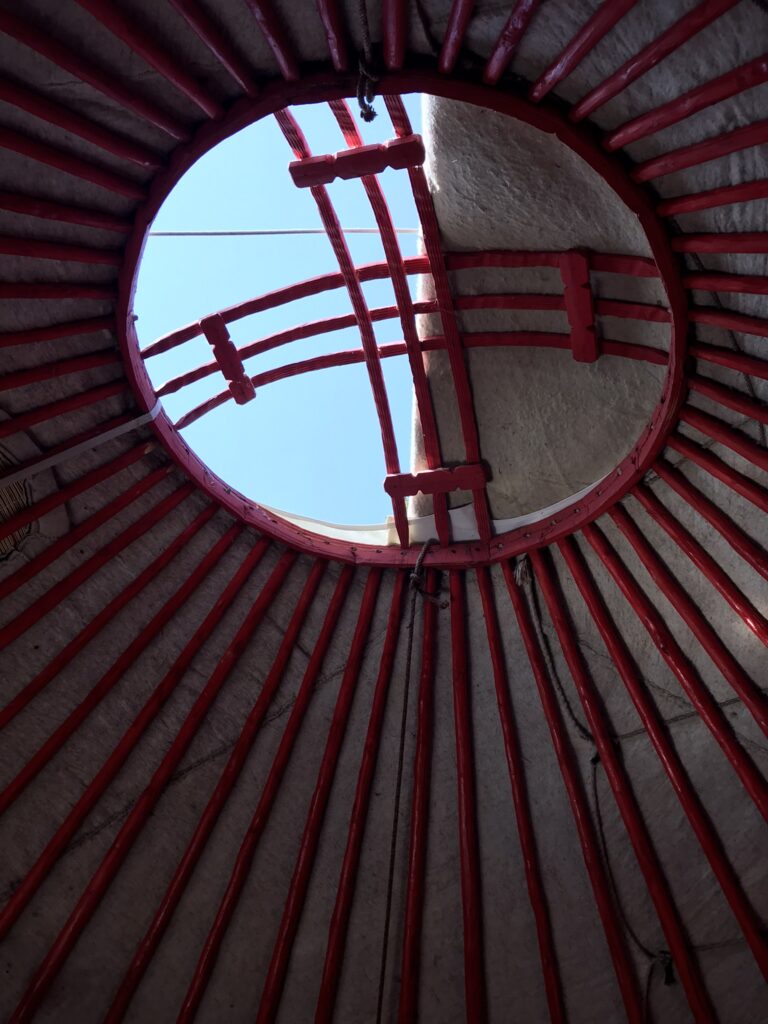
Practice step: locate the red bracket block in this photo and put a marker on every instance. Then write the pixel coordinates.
(358, 162)
(469, 477)
(228, 358)
(574, 270)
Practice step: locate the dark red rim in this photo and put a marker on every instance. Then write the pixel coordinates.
(326, 87)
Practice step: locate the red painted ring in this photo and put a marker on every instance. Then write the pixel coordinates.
(329, 86)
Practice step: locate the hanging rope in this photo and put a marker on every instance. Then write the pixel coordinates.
(416, 583)
(367, 79)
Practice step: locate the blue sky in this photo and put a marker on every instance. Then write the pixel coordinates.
(310, 444)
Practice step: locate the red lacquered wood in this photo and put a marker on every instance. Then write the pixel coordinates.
(506, 45)
(48, 209)
(84, 529)
(582, 814)
(113, 607)
(723, 241)
(337, 932)
(574, 269)
(217, 42)
(469, 840)
(730, 320)
(710, 568)
(152, 52)
(739, 482)
(111, 142)
(686, 608)
(43, 755)
(58, 497)
(733, 82)
(55, 331)
(60, 368)
(33, 249)
(57, 291)
(750, 284)
(227, 780)
(333, 20)
(721, 356)
(142, 809)
(659, 736)
(276, 37)
(125, 95)
(727, 435)
(730, 398)
(459, 18)
(712, 197)
(394, 25)
(61, 160)
(417, 852)
(677, 35)
(62, 407)
(740, 541)
(701, 152)
(586, 39)
(516, 767)
(637, 831)
(697, 693)
(256, 827)
(297, 891)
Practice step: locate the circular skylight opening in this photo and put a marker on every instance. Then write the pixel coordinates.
(330, 341)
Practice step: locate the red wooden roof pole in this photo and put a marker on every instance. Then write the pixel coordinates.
(469, 840)
(96, 476)
(337, 931)
(585, 40)
(712, 197)
(90, 796)
(49, 209)
(60, 251)
(582, 814)
(142, 809)
(658, 734)
(111, 678)
(276, 38)
(651, 55)
(690, 681)
(58, 369)
(508, 41)
(417, 853)
(739, 482)
(726, 435)
(455, 30)
(749, 549)
(111, 608)
(218, 43)
(733, 82)
(299, 884)
(394, 26)
(712, 571)
(153, 53)
(55, 331)
(41, 107)
(62, 160)
(10, 584)
(698, 153)
(78, 400)
(333, 19)
(207, 822)
(645, 853)
(516, 767)
(722, 241)
(96, 77)
(245, 855)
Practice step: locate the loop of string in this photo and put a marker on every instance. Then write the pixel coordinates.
(367, 78)
(416, 585)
